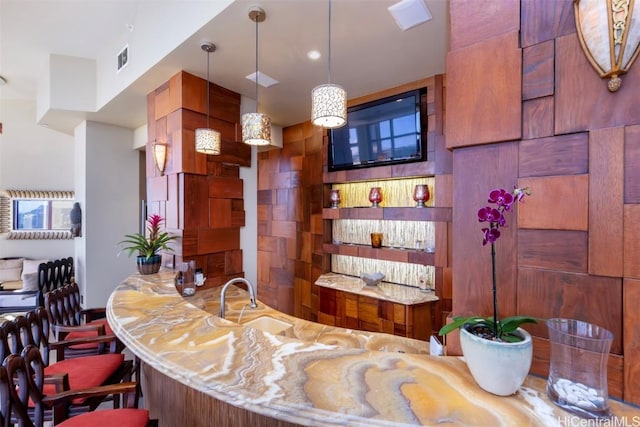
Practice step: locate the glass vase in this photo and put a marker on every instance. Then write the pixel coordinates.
(578, 371)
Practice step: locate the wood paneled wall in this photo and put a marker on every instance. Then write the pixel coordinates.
(292, 193)
(290, 231)
(200, 196)
(525, 107)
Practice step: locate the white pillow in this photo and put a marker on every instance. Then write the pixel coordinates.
(31, 265)
(10, 269)
(30, 282)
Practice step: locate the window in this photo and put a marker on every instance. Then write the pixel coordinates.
(41, 214)
(36, 214)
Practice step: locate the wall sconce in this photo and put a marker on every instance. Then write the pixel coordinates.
(607, 37)
(160, 156)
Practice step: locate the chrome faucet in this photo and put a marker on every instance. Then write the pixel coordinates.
(252, 295)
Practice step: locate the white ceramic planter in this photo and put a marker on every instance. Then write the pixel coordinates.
(498, 367)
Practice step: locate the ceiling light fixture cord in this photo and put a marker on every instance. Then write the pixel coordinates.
(208, 53)
(257, 62)
(329, 50)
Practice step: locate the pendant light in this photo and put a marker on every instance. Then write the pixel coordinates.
(329, 101)
(256, 127)
(208, 140)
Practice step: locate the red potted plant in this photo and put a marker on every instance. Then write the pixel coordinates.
(148, 247)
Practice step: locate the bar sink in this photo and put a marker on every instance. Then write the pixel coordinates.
(268, 324)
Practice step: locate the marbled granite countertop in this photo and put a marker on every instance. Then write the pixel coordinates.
(311, 374)
(393, 292)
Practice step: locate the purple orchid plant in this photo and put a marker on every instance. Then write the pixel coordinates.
(493, 216)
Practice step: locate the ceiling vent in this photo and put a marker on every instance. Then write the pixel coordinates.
(409, 13)
(123, 58)
(264, 80)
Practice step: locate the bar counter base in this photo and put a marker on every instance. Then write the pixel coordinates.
(176, 405)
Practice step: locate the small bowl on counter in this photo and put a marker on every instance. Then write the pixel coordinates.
(372, 279)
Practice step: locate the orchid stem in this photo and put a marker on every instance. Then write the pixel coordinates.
(495, 293)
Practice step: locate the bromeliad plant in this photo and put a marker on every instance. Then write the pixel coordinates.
(494, 328)
(148, 246)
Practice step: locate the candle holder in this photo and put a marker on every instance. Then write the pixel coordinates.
(376, 240)
(421, 195)
(375, 196)
(334, 197)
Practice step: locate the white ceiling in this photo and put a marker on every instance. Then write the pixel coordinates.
(369, 51)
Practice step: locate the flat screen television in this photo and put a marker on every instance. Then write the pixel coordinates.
(382, 132)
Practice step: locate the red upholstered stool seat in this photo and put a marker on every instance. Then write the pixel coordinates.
(109, 418)
(85, 372)
(86, 334)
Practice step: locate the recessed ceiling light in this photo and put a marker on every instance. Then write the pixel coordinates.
(314, 55)
(263, 79)
(409, 13)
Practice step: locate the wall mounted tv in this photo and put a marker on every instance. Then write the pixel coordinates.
(387, 131)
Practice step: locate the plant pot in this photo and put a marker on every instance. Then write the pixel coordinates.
(149, 265)
(498, 367)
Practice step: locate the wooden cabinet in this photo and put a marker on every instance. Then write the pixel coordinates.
(348, 310)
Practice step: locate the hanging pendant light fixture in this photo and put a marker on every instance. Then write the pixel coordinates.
(208, 140)
(329, 101)
(256, 127)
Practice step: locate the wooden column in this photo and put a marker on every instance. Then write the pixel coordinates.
(200, 196)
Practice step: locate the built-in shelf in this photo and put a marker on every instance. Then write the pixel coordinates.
(385, 253)
(402, 214)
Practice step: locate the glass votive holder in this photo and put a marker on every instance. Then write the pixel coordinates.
(375, 196)
(334, 198)
(421, 195)
(376, 240)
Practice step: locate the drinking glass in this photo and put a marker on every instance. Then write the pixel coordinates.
(188, 269)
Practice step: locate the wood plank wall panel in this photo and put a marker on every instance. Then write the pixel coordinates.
(537, 118)
(537, 70)
(632, 164)
(568, 195)
(632, 241)
(584, 297)
(631, 319)
(198, 186)
(562, 267)
(483, 103)
(562, 250)
(606, 162)
(289, 198)
(544, 20)
(556, 155)
(195, 201)
(583, 101)
(470, 260)
(488, 19)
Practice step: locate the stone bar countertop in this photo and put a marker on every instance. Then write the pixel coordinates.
(302, 372)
